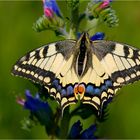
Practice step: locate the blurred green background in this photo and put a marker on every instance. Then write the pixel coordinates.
(17, 38)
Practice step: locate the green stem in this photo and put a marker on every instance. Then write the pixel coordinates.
(64, 126)
(74, 17)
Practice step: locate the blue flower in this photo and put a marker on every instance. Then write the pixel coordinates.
(76, 131)
(51, 7)
(98, 36)
(38, 108)
(89, 133)
(34, 103)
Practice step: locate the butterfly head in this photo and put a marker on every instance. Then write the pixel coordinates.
(79, 90)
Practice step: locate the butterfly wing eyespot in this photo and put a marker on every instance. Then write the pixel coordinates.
(79, 90)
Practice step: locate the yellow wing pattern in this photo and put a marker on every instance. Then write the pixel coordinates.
(90, 71)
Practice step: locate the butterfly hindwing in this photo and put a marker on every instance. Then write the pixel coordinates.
(98, 85)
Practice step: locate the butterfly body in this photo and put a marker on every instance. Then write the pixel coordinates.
(90, 71)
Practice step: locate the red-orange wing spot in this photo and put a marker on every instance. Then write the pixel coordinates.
(81, 88)
(76, 89)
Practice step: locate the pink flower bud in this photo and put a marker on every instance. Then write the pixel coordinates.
(105, 4)
(20, 101)
(48, 12)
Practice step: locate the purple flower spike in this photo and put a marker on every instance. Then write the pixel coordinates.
(77, 132)
(38, 108)
(51, 8)
(34, 104)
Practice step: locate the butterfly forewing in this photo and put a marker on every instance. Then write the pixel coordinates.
(121, 61)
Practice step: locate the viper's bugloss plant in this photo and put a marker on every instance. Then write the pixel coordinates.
(77, 133)
(51, 8)
(57, 125)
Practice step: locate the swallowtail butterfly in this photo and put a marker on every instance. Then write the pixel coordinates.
(85, 70)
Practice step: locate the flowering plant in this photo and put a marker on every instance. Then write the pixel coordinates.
(41, 107)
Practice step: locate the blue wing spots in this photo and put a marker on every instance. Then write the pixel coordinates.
(90, 89)
(63, 92)
(108, 83)
(97, 91)
(103, 87)
(59, 88)
(55, 83)
(69, 90)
